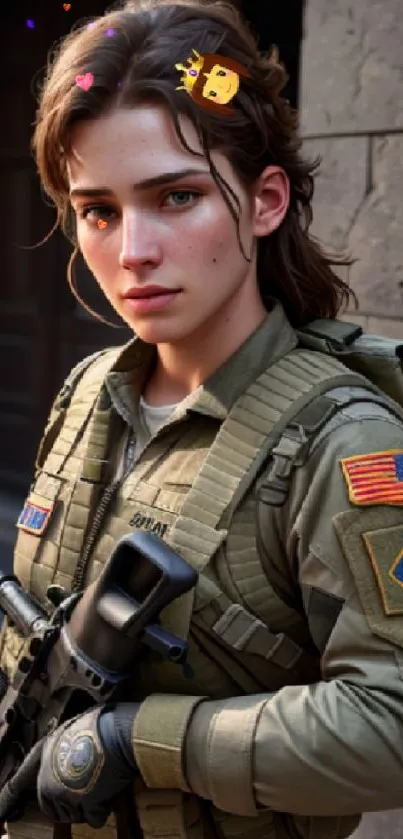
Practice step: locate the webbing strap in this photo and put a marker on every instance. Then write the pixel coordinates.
(243, 631)
(96, 449)
(169, 814)
(62, 403)
(72, 410)
(228, 628)
(87, 405)
(239, 451)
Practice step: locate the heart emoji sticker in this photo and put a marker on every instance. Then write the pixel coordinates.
(86, 81)
(66, 6)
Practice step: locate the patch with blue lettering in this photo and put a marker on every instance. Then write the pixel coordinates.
(34, 518)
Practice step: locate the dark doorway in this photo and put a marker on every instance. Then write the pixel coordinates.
(280, 24)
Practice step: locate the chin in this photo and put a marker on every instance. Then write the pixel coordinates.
(159, 333)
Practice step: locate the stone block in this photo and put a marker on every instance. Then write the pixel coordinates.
(390, 328)
(375, 237)
(358, 207)
(352, 66)
(340, 187)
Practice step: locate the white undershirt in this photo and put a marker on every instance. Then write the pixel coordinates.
(151, 419)
(154, 417)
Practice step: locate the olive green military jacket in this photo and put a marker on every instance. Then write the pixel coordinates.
(329, 571)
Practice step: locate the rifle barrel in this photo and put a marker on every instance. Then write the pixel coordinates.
(18, 605)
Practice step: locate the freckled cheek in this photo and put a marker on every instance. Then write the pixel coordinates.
(203, 254)
(208, 247)
(210, 230)
(217, 254)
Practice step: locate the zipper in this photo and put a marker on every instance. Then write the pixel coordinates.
(106, 498)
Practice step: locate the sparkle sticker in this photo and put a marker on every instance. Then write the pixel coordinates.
(86, 81)
(66, 6)
(30, 24)
(102, 223)
(223, 80)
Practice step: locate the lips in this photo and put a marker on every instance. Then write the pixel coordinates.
(148, 292)
(149, 300)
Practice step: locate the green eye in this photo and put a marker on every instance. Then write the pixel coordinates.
(221, 73)
(212, 93)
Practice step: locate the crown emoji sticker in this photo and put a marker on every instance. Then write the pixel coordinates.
(212, 80)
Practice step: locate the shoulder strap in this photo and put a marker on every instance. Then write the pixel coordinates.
(378, 358)
(93, 368)
(241, 447)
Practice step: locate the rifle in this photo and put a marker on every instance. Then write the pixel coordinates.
(85, 653)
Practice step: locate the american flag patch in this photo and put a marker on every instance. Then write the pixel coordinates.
(33, 518)
(375, 478)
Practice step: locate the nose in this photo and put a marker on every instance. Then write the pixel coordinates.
(139, 241)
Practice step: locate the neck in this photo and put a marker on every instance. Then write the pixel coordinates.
(184, 366)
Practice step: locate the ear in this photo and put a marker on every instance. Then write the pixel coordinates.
(271, 200)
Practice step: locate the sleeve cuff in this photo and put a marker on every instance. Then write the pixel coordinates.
(159, 733)
(220, 753)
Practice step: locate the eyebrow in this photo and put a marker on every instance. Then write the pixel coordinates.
(148, 183)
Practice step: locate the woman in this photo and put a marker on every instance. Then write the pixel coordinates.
(290, 722)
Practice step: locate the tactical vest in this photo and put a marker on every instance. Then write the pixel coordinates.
(242, 637)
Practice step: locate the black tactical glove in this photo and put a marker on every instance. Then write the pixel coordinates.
(86, 763)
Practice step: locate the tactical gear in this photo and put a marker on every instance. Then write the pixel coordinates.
(198, 479)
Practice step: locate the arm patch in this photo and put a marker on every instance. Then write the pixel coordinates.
(372, 543)
(375, 478)
(385, 548)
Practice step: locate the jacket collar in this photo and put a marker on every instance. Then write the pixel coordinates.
(271, 340)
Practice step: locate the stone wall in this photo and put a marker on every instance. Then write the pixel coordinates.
(351, 101)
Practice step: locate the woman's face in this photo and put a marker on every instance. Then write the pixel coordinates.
(145, 227)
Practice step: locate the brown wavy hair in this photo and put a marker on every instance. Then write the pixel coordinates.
(135, 65)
